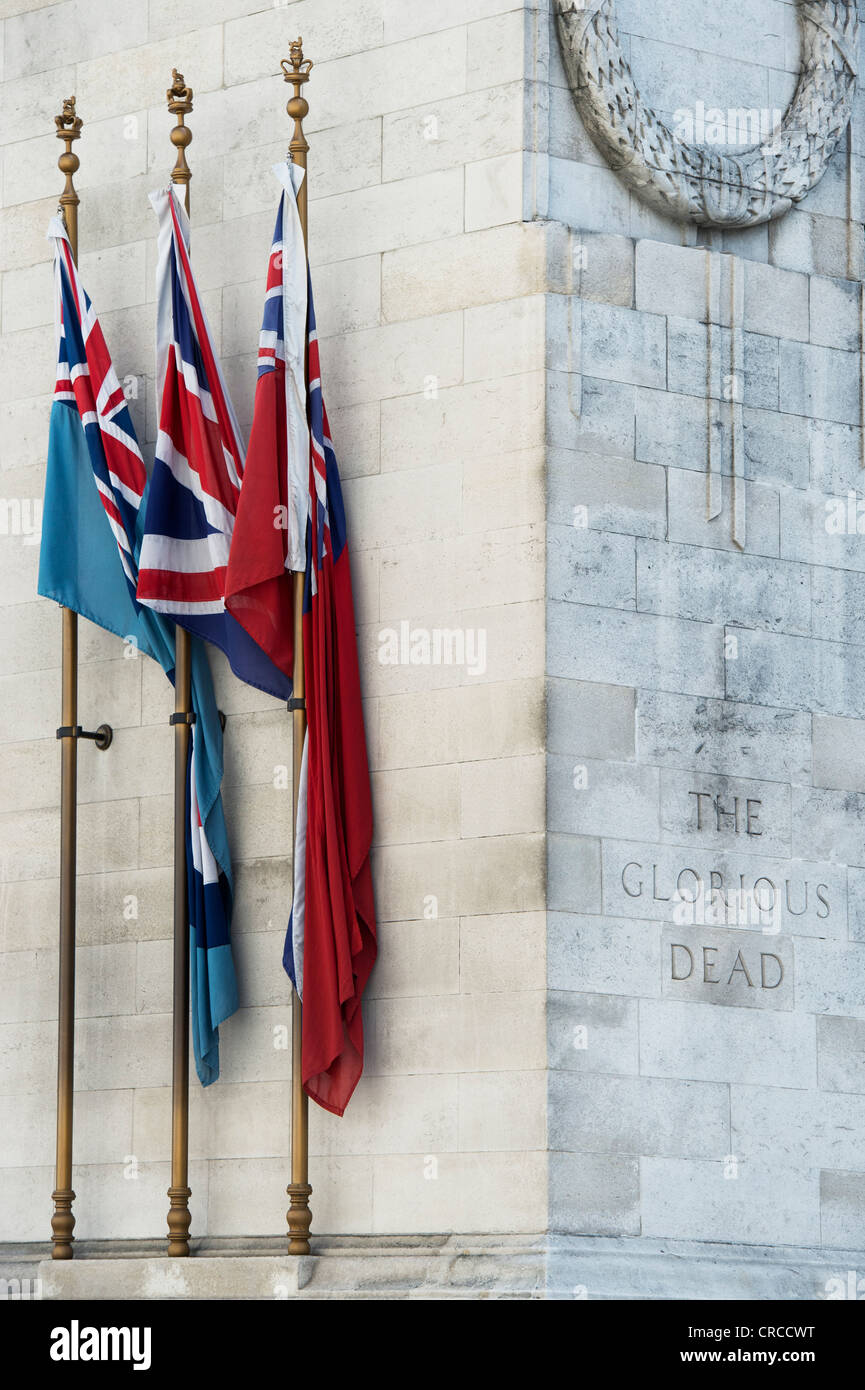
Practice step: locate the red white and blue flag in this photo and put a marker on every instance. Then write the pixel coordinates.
(91, 537)
(87, 381)
(291, 517)
(197, 473)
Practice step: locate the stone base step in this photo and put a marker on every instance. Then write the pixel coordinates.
(450, 1267)
(418, 1267)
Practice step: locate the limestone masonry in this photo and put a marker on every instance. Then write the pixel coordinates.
(603, 477)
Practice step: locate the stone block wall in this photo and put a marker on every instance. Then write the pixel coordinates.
(706, 703)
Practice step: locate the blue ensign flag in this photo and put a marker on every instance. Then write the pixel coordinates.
(91, 541)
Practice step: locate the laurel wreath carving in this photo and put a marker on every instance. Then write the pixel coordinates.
(695, 183)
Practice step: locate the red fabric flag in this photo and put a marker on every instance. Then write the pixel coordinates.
(291, 517)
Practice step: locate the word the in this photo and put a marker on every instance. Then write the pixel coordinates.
(742, 819)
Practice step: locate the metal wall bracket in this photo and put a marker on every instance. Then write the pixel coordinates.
(294, 704)
(184, 717)
(101, 737)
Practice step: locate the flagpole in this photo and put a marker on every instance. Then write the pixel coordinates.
(63, 1221)
(179, 98)
(296, 70)
(68, 125)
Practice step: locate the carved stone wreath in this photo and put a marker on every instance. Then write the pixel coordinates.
(695, 183)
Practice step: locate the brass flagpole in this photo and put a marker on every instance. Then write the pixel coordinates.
(296, 70)
(63, 1221)
(179, 98)
(68, 125)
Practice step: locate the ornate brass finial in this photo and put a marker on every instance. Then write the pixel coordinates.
(69, 125)
(179, 98)
(68, 121)
(179, 92)
(296, 69)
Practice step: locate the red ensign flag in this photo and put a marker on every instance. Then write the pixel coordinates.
(290, 517)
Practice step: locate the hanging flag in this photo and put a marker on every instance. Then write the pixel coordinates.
(91, 537)
(195, 484)
(291, 490)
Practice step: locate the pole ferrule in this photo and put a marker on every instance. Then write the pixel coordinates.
(299, 1218)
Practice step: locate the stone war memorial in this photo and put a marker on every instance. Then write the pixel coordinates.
(486, 918)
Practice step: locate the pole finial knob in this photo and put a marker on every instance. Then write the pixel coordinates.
(68, 125)
(179, 98)
(296, 70)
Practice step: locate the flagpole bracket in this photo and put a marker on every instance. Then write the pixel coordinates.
(182, 717)
(102, 737)
(296, 703)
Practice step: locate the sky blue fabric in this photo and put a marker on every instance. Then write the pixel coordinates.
(79, 567)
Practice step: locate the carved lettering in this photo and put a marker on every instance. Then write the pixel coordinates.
(712, 892)
(739, 965)
(632, 892)
(728, 967)
(709, 965)
(742, 820)
(676, 946)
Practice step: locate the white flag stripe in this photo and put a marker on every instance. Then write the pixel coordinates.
(294, 329)
(177, 606)
(188, 557)
(161, 201)
(216, 514)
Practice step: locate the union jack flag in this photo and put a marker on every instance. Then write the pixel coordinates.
(86, 379)
(292, 476)
(195, 484)
(95, 474)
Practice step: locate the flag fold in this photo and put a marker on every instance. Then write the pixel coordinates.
(196, 480)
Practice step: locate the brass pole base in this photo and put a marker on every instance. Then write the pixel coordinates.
(299, 1218)
(179, 1221)
(62, 1224)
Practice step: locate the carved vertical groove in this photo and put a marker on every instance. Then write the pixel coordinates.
(737, 386)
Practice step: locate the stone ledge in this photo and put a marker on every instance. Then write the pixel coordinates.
(650, 1269)
(457, 1267)
(425, 1267)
